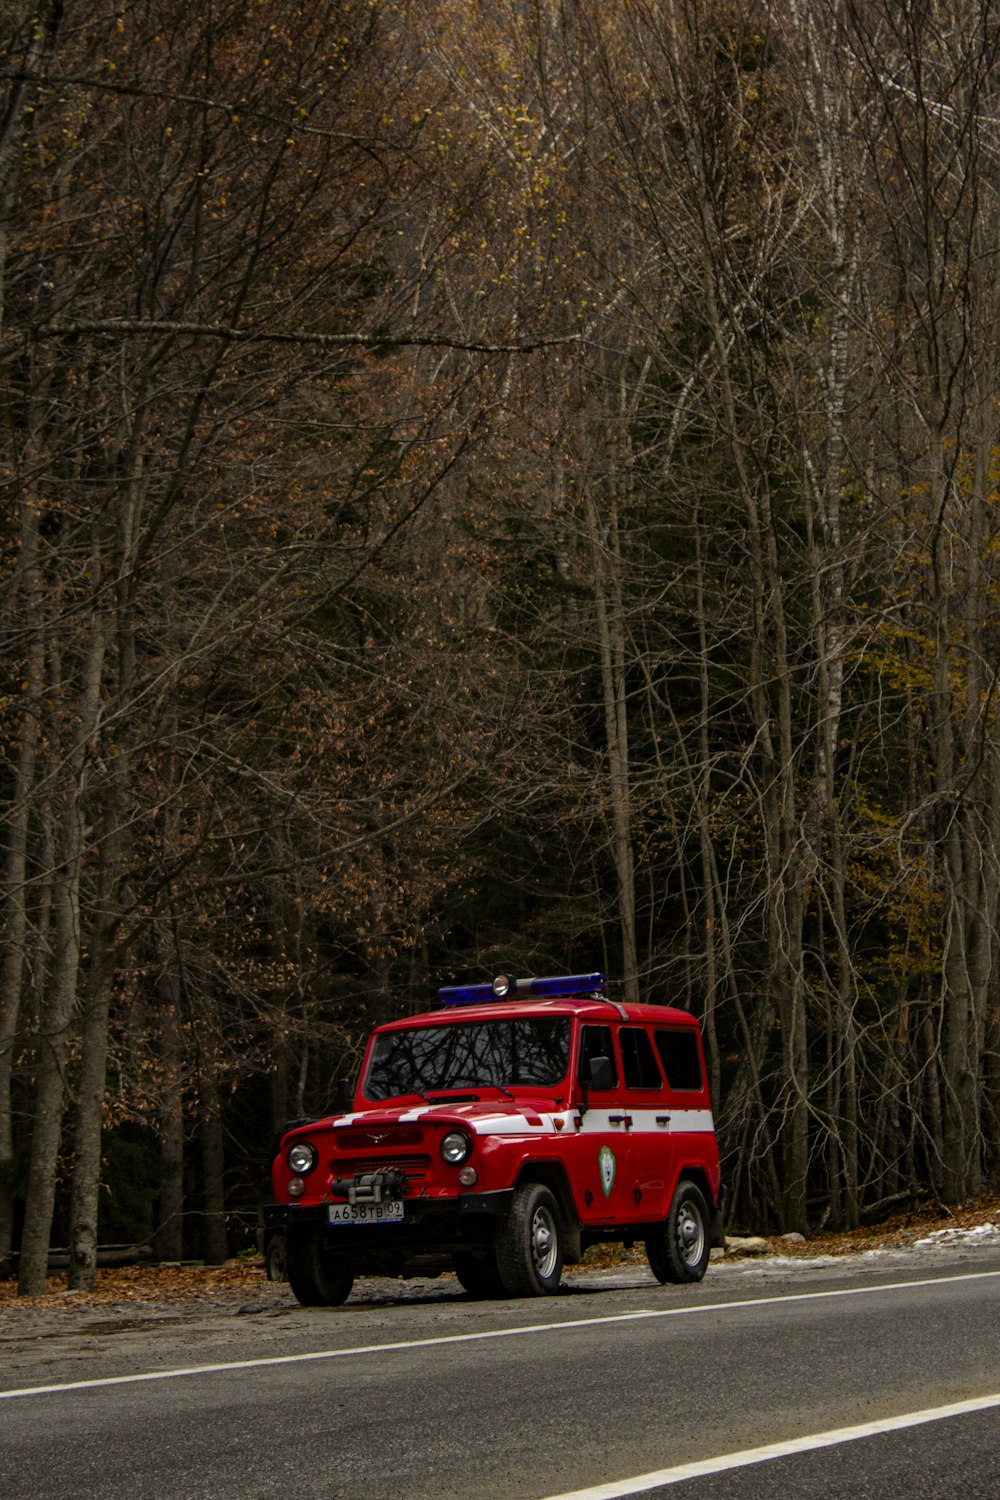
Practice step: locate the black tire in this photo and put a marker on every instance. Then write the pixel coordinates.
(530, 1243)
(318, 1278)
(274, 1258)
(679, 1250)
(479, 1275)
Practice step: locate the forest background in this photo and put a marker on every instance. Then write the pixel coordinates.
(494, 484)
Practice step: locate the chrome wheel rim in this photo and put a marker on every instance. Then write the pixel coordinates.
(690, 1234)
(544, 1242)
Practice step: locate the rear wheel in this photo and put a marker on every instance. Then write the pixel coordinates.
(479, 1274)
(317, 1277)
(530, 1243)
(274, 1258)
(679, 1250)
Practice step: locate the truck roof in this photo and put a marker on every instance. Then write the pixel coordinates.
(590, 1008)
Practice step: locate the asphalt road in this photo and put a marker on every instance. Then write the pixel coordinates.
(615, 1380)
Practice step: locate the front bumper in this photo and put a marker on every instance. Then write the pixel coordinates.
(445, 1224)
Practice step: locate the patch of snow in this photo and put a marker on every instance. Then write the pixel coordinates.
(789, 1264)
(980, 1234)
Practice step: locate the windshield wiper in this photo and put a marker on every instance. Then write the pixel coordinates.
(460, 1095)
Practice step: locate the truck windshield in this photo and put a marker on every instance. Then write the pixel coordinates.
(471, 1054)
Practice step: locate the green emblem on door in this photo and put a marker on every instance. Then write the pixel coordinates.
(607, 1164)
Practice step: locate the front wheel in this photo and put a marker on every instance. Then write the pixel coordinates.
(317, 1277)
(679, 1250)
(530, 1243)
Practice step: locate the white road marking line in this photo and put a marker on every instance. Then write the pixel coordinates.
(658, 1478)
(643, 1315)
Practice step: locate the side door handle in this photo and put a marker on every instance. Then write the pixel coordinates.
(625, 1120)
(663, 1119)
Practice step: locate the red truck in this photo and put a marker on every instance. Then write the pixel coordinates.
(500, 1136)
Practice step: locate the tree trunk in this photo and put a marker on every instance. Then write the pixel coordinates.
(213, 1172)
(57, 1013)
(15, 896)
(605, 561)
(87, 1134)
(169, 1236)
(92, 1079)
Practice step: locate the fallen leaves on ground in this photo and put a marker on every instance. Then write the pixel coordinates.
(149, 1282)
(899, 1231)
(241, 1279)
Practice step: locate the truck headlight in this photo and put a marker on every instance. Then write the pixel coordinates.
(302, 1157)
(456, 1147)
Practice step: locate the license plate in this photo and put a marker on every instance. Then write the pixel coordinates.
(389, 1212)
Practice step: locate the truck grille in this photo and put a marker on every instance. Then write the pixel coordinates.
(416, 1165)
(390, 1138)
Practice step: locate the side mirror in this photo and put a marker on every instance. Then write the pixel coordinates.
(345, 1094)
(601, 1074)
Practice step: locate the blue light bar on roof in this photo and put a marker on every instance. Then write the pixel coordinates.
(504, 987)
(465, 994)
(570, 984)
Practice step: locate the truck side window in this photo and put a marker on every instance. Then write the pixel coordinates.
(638, 1059)
(681, 1060)
(596, 1041)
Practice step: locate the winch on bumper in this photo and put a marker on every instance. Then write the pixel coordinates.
(371, 1187)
